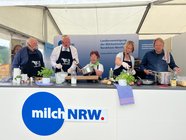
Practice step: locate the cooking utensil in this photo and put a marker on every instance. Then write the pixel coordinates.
(139, 78)
(77, 64)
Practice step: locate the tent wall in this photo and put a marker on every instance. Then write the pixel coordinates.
(28, 21)
(4, 34)
(168, 44)
(178, 50)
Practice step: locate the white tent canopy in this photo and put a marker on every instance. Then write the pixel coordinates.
(46, 18)
(98, 21)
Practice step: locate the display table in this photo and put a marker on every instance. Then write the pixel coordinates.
(158, 113)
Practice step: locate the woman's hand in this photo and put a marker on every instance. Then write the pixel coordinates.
(125, 65)
(98, 72)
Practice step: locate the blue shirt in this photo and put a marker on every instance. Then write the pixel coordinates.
(21, 58)
(153, 61)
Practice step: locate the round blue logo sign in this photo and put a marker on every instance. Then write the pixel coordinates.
(43, 113)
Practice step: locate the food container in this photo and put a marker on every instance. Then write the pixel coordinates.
(60, 77)
(162, 77)
(181, 81)
(122, 82)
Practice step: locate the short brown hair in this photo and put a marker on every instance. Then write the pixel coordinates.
(96, 53)
(16, 46)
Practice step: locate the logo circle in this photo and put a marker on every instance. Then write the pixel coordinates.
(42, 113)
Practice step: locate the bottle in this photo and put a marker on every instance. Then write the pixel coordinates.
(31, 80)
(110, 73)
(73, 78)
(174, 80)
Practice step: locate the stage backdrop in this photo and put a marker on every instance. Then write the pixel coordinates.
(144, 47)
(107, 45)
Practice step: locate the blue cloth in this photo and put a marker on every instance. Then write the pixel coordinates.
(21, 58)
(153, 61)
(125, 94)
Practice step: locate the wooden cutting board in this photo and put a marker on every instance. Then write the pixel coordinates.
(83, 77)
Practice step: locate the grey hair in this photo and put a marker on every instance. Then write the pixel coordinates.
(29, 39)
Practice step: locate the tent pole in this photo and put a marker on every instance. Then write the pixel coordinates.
(45, 30)
(53, 20)
(143, 18)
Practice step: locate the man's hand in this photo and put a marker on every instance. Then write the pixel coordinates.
(177, 69)
(59, 66)
(69, 70)
(147, 72)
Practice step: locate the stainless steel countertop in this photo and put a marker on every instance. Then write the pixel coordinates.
(91, 85)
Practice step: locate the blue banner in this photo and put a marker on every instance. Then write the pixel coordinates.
(144, 47)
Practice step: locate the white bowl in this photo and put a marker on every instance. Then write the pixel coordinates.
(60, 77)
(45, 80)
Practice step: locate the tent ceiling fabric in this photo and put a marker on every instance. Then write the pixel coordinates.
(67, 2)
(165, 19)
(98, 21)
(176, 2)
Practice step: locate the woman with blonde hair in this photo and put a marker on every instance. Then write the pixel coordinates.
(124, 60)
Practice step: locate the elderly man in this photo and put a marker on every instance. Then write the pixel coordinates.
(29, 59)
(62, 56)
(158, 60)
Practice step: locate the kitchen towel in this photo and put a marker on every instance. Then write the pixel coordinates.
(125, 94)
(166, 56)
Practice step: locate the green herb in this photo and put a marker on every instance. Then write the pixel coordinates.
(18, 76)
(128, 77)
(45, 72)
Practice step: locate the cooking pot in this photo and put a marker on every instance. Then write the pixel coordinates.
(87, 70)
(163, 77)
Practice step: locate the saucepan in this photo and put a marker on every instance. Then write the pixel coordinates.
(85, 70)
(147, 81)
